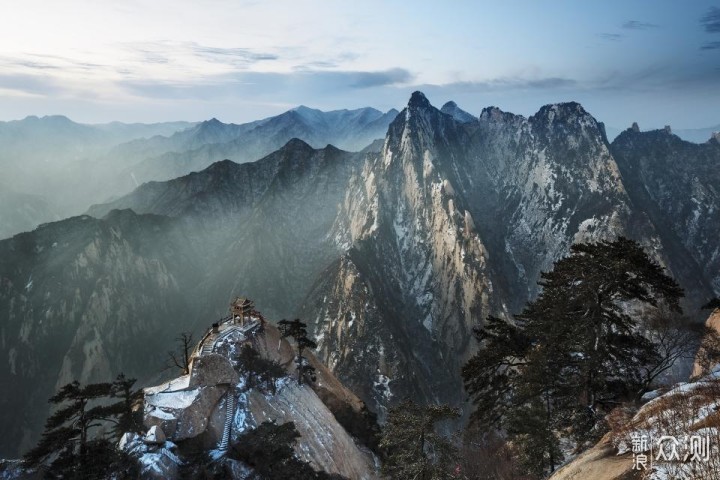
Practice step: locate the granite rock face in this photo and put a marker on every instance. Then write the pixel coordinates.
(212, 370)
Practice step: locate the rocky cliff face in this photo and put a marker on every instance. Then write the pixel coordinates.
(676, 183)
(417, 261)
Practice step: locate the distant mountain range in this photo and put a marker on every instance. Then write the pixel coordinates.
(73, 165)
(391, 253)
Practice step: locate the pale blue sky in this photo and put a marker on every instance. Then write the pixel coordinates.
(655, 62)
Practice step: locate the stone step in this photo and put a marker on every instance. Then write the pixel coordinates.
(229, 414)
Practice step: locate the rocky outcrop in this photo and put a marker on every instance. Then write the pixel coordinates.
(324, 442)
(667, 421)
(705, 359)
(212, 370)
(600, 462)
(212, 407)
(182, 414)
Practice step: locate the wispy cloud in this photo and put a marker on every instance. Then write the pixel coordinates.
(658, 78)
(711, 46)
(30, 84)
(711, 20)
(613, 37)
(506, 83)
(244, 54)
(638, 25)
(192, 54)
(249, 83)
(393, 76)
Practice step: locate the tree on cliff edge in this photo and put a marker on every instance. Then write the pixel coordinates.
(573, 353)
(298, 331)
(66, 449)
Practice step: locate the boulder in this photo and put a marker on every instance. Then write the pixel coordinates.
(193, 420)
(182, 414)
(211, 370)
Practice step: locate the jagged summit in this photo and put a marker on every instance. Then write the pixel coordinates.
(493, 113)
(418, 100)
(564, 110)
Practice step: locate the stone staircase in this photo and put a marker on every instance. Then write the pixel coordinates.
(208, 345)
(229, 414)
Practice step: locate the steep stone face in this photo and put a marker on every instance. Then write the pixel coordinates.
(676, 183)
(356, 340)
(544, 183)
(395, 314)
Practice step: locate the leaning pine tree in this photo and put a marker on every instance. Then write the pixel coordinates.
(574, 352)
(298, 331)
(67, 448)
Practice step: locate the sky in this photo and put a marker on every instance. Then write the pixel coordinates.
(656, 62)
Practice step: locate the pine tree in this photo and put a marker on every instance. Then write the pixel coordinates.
(575, 351)
(127, 417)
(258, 370)
(66, 449)
(298, 331)
(414, 450)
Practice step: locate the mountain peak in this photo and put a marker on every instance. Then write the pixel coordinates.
(495, 115)
(49, 119)
(296, 144)
(418, 100)
(451, 108)
(564, 113)
(563, 109)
